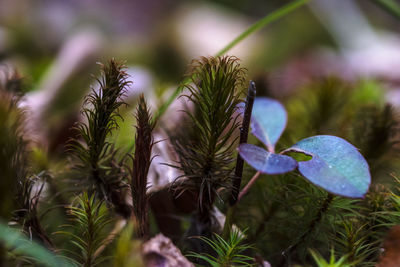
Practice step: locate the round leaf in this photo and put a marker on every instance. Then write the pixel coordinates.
(266, 162)
(268, 120)
(336, 165)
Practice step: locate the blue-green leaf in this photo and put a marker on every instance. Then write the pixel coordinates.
(268, 120)
(266, 162)
(336, 165)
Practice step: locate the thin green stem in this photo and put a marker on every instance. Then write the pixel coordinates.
(390, 6)
(268, 19)
(311, 227)
(266, 217)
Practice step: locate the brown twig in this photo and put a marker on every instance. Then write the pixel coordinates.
(141, 163)
(244, 132)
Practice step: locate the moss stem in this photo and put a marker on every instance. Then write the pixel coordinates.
(311, 227)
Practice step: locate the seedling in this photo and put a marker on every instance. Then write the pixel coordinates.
(335, 164)
(230, 252)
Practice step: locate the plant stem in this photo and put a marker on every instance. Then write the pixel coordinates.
(390, 6)
(273, 208)
(311, 227)
(119, 226)
(268, 19)
(316, 220)
(248, 185)
(232, 209)
(244, 132)
(267, 216)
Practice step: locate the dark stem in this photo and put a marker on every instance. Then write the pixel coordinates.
(140, 168)
(371, 224)
(311, 227)
(316, 220)
(244, 132)
(267, 216)
(273, 208)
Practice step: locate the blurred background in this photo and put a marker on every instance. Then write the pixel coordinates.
(55, 44)
(334, 64)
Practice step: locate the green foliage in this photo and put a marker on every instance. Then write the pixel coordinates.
(352, 241)
(90, 219)
(13, 159)
(286, 216)
(20, 246)
(206, 159)
(127, 251)
(26, 213)
(319, 109)
(375, 134)
(229, 252)
(96, 157)
(321, 262)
